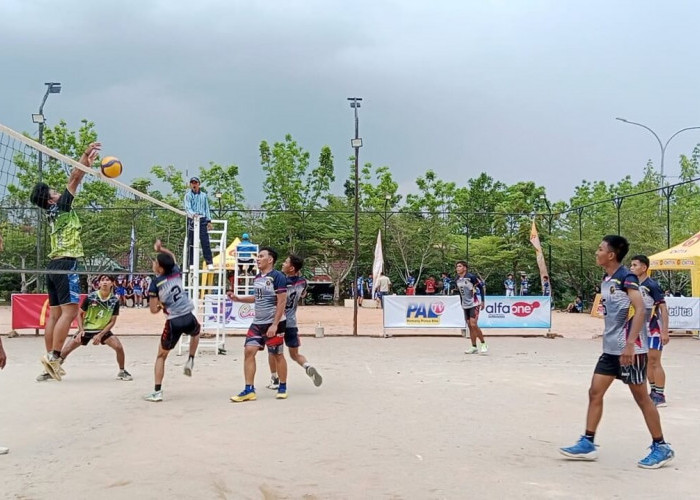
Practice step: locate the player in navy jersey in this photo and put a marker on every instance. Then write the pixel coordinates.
(467, 284)
(168, 294)
(360, 289)
(269, 325)
(296, 291)
(656, 324)
(624, 355)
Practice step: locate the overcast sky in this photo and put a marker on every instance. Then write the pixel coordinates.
(520, 89)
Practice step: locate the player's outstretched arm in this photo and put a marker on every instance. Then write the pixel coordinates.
(88, 158)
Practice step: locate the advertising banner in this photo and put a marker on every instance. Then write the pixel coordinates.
(422, 311)
(425, 311)
(683, 313)
(516, 312)
(30, 310)
(236, 314)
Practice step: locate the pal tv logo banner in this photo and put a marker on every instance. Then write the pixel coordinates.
(416, 311)
(516, 312)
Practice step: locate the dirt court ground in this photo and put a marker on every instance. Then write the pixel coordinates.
(403, 417)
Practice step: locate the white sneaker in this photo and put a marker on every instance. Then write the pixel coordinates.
(4, 450)
(484, 348)
(210, 267)
(472, 350)
(188, 367)
(124, 375)
(42, 377)
(274, 383)
(315, 376)
(154, 397)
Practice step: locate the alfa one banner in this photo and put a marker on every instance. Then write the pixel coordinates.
(683, 313)
(30, 310)
(516, 312)
(424, 311)
(236, 314)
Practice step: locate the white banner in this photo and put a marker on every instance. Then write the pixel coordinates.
(236, 314)
(425, 311)
(516, 312)
(683, 313)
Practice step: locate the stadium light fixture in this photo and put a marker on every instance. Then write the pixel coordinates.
(53, 87)
(38, 118)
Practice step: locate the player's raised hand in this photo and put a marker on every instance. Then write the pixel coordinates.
(157, 245)
(91, 153)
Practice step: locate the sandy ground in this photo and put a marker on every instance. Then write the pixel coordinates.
(402, 417)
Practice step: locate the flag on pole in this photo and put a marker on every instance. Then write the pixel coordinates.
(535, 240)
(378, 265)
(132, 254)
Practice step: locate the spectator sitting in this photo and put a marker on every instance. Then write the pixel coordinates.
(576, 306)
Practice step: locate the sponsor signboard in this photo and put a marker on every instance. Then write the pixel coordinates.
(424, 311)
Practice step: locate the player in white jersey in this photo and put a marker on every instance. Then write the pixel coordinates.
(168, 294)
(296, 291)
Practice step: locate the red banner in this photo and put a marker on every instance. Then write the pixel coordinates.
(30, 310)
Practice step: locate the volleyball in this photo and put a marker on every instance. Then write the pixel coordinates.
(111, 166)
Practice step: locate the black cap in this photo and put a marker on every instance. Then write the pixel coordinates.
(195, 179)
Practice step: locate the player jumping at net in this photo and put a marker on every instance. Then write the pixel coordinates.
(268, 327)
(66, 249)
(296, 290)
(98, 315)
(467, 284)
(624, 355)
(168, 294)
(656, 310)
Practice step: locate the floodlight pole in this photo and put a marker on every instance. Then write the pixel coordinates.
(667, 192)
(51, 88)
(357, 144)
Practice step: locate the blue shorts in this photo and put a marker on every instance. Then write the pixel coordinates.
(655, 343)
(291, 337)
(257, 336)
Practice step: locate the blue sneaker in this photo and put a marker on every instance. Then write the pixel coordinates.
(584, 449)
(660, 455)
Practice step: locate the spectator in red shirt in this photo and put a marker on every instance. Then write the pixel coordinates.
(430, 285)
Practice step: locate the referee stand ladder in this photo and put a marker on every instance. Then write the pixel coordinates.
(207, 289)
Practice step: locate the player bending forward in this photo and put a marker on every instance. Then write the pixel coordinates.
(98, 315)
(167, 293)
(296, 290)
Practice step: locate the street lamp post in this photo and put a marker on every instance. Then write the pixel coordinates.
(40, 119)
(356, 143)
(667, 191)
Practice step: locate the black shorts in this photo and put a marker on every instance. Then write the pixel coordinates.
(257, 336)
(472, 312)
(89, 335)
(636, 373)
(176, 327)
(63, 288)
(291, 337)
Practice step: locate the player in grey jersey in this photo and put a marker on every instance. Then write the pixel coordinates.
(624, 356)
(168, 294)
(296, 291)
